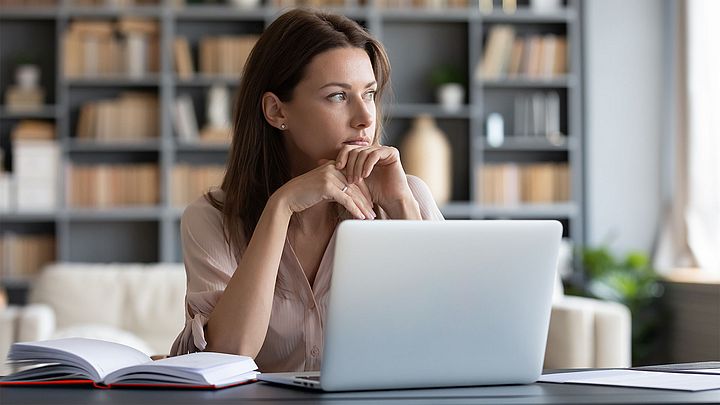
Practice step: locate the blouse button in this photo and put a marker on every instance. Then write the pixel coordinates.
(315, 352)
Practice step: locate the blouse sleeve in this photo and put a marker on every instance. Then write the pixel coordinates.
(209, 265)
(428, 208)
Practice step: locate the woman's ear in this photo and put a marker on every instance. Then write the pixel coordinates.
(273, 111)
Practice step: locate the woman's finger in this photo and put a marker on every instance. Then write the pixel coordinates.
(360, 200)
(343, 198)
(360, 164)
(369, 163)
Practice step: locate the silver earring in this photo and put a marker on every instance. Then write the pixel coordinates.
(283, 126)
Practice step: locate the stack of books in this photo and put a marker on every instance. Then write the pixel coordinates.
(117, 185)
(509, 184)
(22, 256)
(19, 99)
(131, 117)
(534, 56)
(36, 158)
(103, 48)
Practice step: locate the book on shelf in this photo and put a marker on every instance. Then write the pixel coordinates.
(509, 55)
(116, 185)
(23, 255)
(513, 183)
(191, 181)
(538, 114)
(183, 58)
(18, 99)
(185, 120)
(104, 48)
(225, 55)
(133, 116)
(106, 365)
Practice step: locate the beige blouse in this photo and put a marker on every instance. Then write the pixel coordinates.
(294, 340)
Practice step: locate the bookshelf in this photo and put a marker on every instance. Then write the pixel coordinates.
(416, 38)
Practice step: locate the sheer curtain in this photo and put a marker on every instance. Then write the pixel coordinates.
(691, 232)
(703, 211)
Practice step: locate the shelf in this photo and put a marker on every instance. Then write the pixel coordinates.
(28, 13)
(527, 16)
(113, 12)
(519, 83)
(202, 147)
(99, 146)
(428, 14)
(206, 81)
(23, 217)
(115, 81)
(435, 110)
(114, 214)
(46, 112)
(211, 12)
(521, 211)
(529, 143)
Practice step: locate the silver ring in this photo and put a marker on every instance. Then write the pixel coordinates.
(344, 189)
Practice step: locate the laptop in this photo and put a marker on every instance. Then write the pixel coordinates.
(420, 304)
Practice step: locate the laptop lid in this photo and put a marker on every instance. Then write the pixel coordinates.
(439, 303)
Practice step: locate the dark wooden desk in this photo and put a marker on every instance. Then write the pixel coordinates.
(261, 392)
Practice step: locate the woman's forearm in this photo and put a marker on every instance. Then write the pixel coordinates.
(239, 322)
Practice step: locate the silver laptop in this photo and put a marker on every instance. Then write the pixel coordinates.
(418, 304)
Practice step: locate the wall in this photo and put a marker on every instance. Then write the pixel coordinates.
(626, 61)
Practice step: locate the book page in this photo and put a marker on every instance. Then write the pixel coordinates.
(98, 358)
(201, 368)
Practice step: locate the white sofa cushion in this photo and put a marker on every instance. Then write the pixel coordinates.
(104, 332)
(81, 293)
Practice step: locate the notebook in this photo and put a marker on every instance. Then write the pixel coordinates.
(106, 365)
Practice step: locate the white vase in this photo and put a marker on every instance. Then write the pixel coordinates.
(451, 96)
(425, 153)
(27, 76)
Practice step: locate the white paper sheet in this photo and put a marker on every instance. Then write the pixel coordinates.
(638, 379)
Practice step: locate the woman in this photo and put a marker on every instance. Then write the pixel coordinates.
(305, 155)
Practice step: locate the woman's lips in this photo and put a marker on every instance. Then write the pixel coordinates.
(357, 143)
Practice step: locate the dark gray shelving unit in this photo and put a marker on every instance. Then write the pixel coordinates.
(416, 40)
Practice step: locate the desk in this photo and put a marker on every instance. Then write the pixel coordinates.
(266, 393)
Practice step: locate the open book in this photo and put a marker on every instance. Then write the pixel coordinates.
(106, 365)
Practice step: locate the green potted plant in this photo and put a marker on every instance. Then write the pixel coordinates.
(449, 84)
(633, 282)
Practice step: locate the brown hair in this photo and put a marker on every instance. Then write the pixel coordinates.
(257, 162)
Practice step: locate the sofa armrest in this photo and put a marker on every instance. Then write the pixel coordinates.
(35, 322)
(570, 337)
(586, 332)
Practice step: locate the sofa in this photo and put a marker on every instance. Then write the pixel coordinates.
(142, 305)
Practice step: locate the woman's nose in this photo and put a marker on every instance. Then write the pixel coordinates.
(364, 114)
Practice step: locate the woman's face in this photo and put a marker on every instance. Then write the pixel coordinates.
(332, 106)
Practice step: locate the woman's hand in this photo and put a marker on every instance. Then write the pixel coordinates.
(378, 169)
(326, 183)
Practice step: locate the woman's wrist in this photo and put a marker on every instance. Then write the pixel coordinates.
(278, 203)
(403, 208)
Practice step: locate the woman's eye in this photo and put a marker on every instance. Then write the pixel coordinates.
(338, 97)
(370, 96)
